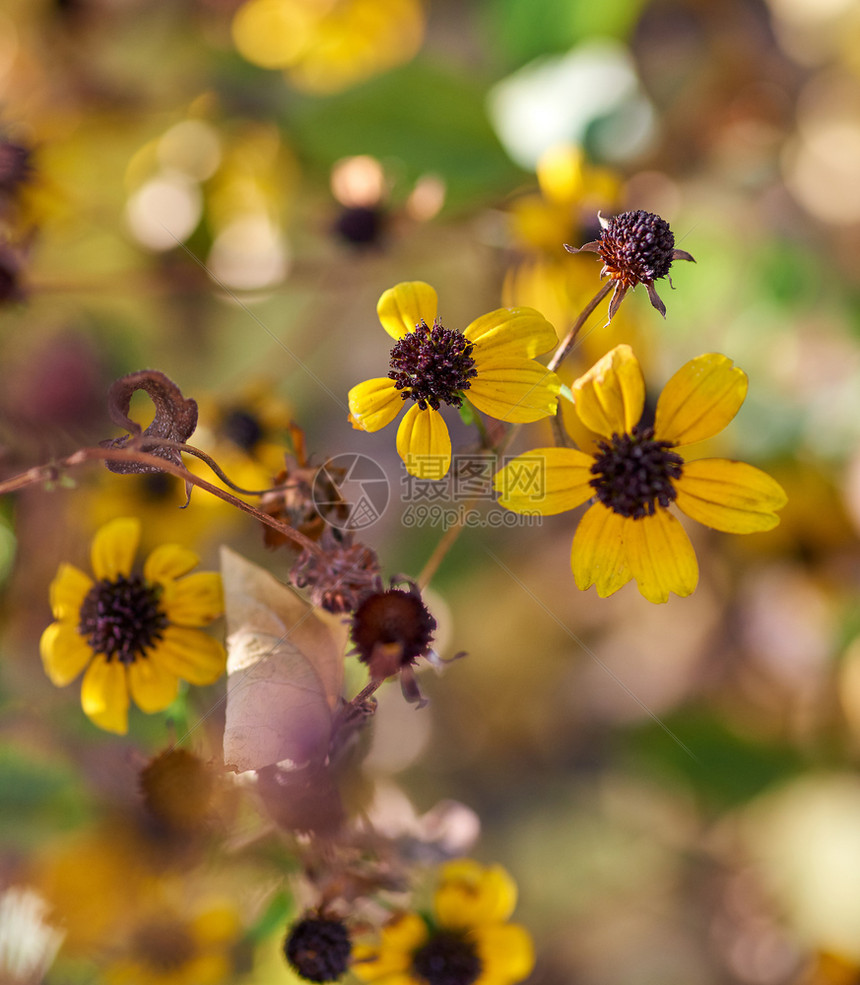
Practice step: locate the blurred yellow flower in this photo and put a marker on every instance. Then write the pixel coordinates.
(636, 474)
(170, 946)
(491, 364)
(132, 634)
(467, 941)
(571, 192)
(328, 45)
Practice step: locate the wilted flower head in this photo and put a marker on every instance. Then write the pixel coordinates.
(391, 630)
(318, 948)
(306, 497)
(636, 248)
(340, 576)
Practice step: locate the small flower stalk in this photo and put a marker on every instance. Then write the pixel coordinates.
(636, 248)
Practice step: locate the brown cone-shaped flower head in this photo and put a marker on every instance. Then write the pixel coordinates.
(636, 248)
(391, 630)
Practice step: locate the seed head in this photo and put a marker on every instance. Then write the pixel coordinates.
(636, 248)
(318, 948)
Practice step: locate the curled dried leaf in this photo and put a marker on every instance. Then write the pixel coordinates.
(175, 417)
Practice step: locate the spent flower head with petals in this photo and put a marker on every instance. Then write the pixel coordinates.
(637, 473)
(467, 940)
(391, 629)
(491, 365)
(132, 634)
(636, 248)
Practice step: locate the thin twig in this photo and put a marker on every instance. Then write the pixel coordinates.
(565, 346)
(51, 473)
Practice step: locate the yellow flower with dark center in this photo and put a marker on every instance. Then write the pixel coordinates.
(491, 365)
(171, 947)
(467, 941)
(637, 473)
(132, 634)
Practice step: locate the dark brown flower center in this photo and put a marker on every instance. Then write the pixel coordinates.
(242, 428)
(637, 248)
(634, 474)
(122, 618)
(448, 958)
(432, 365)
(360, 225)
(318, 949)
(391, 629)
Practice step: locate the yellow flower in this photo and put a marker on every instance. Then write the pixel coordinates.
(490, 364)
(571, 191)
(169, 946)
(330, 46)
(468, 940)
(132, 634)
(637, 473)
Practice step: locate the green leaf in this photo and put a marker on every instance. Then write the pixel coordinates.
(527, 29)
(417, 120)
(274, 918)
(729, 768)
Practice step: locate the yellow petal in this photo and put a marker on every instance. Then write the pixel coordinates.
(424, 444)
(507, 954)
(470, 895)
(515, 390)
(168, 562)
(403, 306)
(519, 333)
(68, 591)
(609, 398)
(399, 939)
(114, 546)
(730, 496)
(104, 695)
(598, 555)
(153, 687)
(216, 924)
(191, 655)
(195, 600)
(700, 399)
(661, 556)
(374, 403)
(64, 652)
(545, 481)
